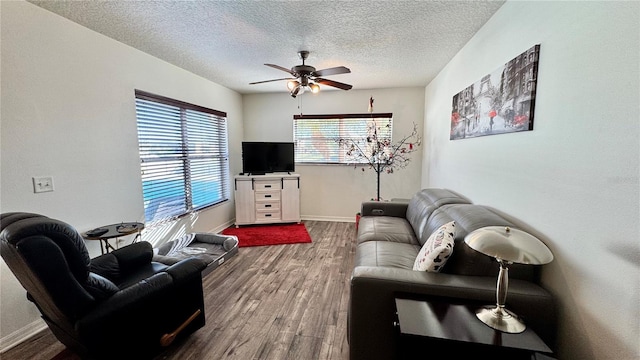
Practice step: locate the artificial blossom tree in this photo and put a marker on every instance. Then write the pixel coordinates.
(376, 150)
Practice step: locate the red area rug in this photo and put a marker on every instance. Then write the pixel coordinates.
(276, 234)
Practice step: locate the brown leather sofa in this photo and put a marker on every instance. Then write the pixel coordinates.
(390, 235)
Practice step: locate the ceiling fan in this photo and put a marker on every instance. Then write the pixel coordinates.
(306, 77)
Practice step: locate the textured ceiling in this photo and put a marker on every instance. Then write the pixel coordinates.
(384, 43)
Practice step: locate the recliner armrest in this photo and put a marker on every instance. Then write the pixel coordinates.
(186, 268)
(150, 290)
(141, 314)
(128, 300)
(133, 256)
(384, 208)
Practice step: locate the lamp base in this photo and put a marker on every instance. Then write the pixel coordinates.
(501, 319)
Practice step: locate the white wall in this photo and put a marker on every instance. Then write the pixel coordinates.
(335, 192)
(68, 111)
(574, 177)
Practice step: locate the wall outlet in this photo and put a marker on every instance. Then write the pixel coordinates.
(42, 184)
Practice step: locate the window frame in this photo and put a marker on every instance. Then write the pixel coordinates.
(219, 159)
(343, 159)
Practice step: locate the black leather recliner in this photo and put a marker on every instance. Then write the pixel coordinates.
(119, 305)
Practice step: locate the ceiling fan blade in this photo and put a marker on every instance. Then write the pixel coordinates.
(339, 85)
(264, 81)
(333, 71)
(280, 68)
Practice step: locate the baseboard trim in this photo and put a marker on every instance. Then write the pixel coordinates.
(218, 229)
(329, 218)
(310, 218)
(21, 335)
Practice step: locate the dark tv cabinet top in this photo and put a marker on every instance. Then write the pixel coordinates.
(275, 175)
(280, 173)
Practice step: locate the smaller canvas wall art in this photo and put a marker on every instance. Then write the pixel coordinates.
(500, 102)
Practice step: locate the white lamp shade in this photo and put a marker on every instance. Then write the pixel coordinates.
(510, 245)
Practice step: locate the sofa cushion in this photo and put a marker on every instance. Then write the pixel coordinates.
(422, 205)
(385, 228)
(436, 251)
(387, 254)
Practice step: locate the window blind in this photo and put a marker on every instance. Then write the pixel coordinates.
(316, 137)
(183, 156)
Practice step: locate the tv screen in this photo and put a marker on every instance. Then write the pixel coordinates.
(267, 157)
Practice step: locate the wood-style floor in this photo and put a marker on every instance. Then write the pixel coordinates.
(268, 302)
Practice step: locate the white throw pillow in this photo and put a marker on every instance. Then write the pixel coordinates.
(436, 250)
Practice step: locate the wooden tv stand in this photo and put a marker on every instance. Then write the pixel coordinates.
(267, 199)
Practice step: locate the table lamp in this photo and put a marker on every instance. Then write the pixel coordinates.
(507, 246)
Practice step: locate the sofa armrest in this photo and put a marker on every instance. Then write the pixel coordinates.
(384, 208)
(374, 289)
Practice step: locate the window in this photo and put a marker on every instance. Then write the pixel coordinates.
(316, 136)
(183, 156)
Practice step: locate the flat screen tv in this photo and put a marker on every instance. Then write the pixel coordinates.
(267, 157)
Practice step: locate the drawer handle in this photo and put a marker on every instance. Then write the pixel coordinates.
(267, 205)
(267, 196)
(267, 215)
(267, 186)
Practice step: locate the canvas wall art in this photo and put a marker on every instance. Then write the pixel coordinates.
(500, 102)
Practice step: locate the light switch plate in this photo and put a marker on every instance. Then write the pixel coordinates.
(42, 184)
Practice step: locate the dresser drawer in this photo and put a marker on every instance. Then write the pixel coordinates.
(268, 205)
(267, 215)
(268, 195)
(265, 185)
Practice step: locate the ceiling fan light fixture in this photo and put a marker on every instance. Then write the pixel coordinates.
(306, 78)
(298, 90)
(291, 85)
